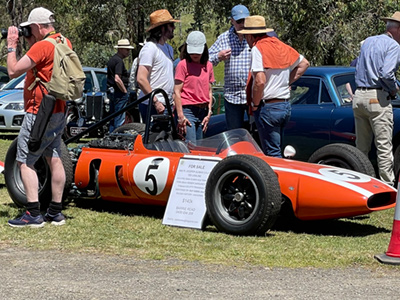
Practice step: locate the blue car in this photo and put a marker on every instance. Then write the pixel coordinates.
(322, 113)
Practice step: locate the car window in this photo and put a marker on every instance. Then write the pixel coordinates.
(345, 87)
(88, 88)
(102, 79)
(16, 83)
(309, 91)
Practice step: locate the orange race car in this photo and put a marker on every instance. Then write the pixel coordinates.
(241, 189)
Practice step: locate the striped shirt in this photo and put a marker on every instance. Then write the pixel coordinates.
(236, 67)
(377, 64)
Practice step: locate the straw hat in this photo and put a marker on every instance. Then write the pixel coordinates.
(254, 25)
(395, 17)
(160, 17)
(124, 44)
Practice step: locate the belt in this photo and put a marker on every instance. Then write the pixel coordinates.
(201, 105)
(364, 88)
(273, 100)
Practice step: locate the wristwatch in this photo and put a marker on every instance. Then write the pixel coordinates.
(10, 49)
(253, 105)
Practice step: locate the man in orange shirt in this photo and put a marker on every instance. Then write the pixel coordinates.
(38, 63)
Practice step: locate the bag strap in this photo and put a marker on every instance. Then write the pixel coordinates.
(37, 79)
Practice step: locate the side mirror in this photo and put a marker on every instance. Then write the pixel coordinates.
(289, 152)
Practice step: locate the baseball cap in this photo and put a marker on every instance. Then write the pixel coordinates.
(39, 15)
(195, 42)
(239, 12)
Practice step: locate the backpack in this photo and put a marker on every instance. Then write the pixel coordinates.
(68, 79)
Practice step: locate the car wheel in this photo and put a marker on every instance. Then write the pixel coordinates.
(243, 196)
(14, 183)
(135, 127)
(72, 117)
(343, 156)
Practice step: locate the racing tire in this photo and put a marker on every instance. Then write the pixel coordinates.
(137, 128)
(343, 156)
(243, 196)
(14, 183)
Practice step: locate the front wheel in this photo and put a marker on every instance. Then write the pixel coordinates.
(243, 196)
(14, 182)
(343, 156)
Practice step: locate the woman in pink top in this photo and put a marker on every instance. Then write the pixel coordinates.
(194, 76)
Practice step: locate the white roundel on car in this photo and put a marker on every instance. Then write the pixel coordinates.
(151, 174)
(344, 175)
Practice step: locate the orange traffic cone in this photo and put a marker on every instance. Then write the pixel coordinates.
(392, 256)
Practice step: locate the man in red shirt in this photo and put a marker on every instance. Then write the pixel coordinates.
(38, 63)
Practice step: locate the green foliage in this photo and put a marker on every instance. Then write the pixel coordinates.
(325, 31)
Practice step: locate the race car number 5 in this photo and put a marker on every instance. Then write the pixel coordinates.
(344, 175)
(151, 174)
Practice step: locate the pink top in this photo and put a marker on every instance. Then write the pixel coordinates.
(196, 80)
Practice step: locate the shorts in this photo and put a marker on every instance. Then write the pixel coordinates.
(51, 141)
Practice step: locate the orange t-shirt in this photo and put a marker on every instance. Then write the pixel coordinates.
(42, 53)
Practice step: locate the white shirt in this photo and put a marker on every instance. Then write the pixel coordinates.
(277, 85)
(161, 73)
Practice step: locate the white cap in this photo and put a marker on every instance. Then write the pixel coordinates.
(195, 42)
(39, 15)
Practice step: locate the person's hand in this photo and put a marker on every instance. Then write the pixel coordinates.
(159, 107)
(182, 123)
(205, 122)
(224, 54)
(12, 37)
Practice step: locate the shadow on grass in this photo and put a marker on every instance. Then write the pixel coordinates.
(337, 227)
(8, 135)
(341, 227)
(125, 209)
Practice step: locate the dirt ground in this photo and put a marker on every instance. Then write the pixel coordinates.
(58, 275)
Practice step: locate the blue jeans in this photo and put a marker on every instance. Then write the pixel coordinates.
(195, 115)
(117, 102)
(234, 114)
(270, 120)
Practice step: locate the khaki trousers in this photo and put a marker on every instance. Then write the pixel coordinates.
(373, 115)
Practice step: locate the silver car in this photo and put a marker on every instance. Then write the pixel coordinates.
(12, 97)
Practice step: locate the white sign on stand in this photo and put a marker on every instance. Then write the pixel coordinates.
(186, 205)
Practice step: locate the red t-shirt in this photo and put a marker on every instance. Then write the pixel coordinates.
(196, 80)
(42, 53)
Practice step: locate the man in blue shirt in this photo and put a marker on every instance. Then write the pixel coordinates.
(376, 86)
(233, 49)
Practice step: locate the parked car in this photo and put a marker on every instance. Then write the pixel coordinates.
(3, 76)
(12, 103)
(322, 114)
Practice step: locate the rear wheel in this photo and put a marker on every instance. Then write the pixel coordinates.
(14, 183)
(243, 196)
(343, 156)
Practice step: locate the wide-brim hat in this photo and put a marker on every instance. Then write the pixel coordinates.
(395, 17)
(39, 15)
(124, 44)
(160, 17)
(254, 25)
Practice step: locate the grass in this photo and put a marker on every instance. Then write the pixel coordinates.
(137, 231)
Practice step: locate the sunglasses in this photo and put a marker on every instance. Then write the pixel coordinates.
(240, 21)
